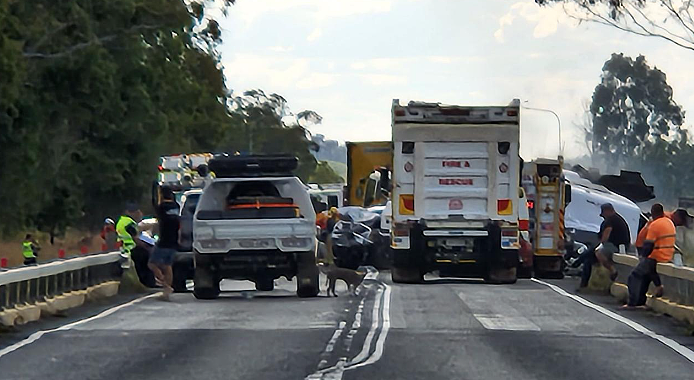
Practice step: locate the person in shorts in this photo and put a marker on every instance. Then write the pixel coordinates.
(161, 259)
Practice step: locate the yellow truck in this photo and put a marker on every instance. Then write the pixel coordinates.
(548, 194)
(368, 166)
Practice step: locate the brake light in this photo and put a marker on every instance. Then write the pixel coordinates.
(401, 230)
(509, 233)
(399, 112)
(531, 204)
(406, 204)
(160, 168)
(512, 113)
(504, 207)
(523, 224)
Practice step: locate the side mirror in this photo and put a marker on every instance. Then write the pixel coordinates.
(567, 194)
(384, 181)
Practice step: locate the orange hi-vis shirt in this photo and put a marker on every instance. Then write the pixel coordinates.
(662, 233)
(641, 237)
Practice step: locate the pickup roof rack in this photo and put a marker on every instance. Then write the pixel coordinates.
(233, 166)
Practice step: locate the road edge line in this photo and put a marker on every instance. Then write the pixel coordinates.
(670, 343)
(38, 334)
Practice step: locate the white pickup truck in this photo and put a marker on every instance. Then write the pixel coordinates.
(254, 221)
(455, 195)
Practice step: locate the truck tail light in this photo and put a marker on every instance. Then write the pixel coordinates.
(400, 229)
(509, 232)
(504, 207)
(523, 224)
(406, 204)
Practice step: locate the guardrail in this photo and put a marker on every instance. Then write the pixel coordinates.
(678, 282)
(51, 287)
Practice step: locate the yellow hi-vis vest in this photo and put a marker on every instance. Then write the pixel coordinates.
(28, 250)
(127, 241)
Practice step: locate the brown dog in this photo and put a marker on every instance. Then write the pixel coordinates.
(351, 277)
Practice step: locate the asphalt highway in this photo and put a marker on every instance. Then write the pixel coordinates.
(442, 329)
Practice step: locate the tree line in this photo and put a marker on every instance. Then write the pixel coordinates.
(92, 92)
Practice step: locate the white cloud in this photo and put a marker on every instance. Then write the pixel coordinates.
(545, 19)
(281, 49)
(382, 79)
(315, 34)
(318, 11)
(316, 80)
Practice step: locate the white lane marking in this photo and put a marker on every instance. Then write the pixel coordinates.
(37, 335)
(496, 314)
(380, 317)
(375, 319)
(680, 349)
(380, 344)
(505, 322)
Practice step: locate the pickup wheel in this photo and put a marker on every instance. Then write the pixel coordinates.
(264, 284)
(206, 284)
(180, 275)
(307, 287)
(406, 275)
(307, 275)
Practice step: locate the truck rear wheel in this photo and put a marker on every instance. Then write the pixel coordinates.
(406, 275)
(500, 275)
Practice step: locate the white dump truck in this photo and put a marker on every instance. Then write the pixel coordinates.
(455, 191)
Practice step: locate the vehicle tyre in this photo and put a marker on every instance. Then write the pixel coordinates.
(264, 284)
(500, 275)
(206, 284)
(307, 283)
(406, 275)
(307, 287)
(525, 271)
(180, 275)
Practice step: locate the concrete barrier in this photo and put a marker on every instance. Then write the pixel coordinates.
(678, 296)
(29, 292)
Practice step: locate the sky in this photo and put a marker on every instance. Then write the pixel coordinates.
(347, 60)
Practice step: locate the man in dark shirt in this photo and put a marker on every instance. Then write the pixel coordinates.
(162, 257)
(614, 231)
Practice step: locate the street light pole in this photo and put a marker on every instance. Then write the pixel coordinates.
(555, 115)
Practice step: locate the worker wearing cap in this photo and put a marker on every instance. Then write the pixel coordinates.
(127, 231)
(658, 247)
(614, 231)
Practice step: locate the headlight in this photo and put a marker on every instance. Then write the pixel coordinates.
(203, 233)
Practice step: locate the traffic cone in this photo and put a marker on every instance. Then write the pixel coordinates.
(61, 253)
(84, 250)
(3, 262)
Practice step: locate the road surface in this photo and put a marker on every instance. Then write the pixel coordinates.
(443, 329)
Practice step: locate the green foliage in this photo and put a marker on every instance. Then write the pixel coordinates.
(324, 173)
(93, 91)
(632, 105)
(637, 125)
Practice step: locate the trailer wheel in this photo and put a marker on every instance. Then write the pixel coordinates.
(406, 275)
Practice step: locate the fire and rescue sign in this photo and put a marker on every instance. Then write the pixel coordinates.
(455, 181)
(455, 164)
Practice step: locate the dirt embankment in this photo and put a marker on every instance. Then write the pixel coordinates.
(73, 243)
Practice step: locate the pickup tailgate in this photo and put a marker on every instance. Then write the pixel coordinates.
(290, 235)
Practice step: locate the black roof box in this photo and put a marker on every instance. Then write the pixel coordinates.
(231, 166)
